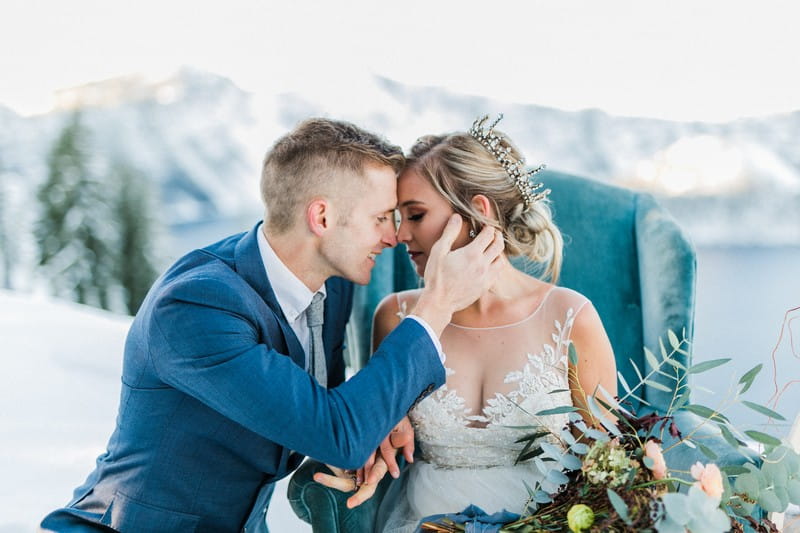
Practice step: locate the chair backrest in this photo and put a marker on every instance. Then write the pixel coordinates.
(622, 251)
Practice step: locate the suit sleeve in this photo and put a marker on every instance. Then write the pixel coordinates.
(212, 352)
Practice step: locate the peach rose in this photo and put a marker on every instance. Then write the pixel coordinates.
(709, 479)
(653, 450)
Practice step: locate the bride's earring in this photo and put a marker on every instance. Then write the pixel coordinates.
(472, 234)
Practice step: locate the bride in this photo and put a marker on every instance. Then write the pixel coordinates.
(507, 353)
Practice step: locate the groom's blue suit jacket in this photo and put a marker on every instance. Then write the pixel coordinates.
(215, 404)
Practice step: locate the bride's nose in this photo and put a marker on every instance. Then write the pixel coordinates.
(403, 233)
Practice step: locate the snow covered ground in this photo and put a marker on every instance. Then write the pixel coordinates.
(59, 390)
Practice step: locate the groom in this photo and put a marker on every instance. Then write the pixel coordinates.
(230, 376)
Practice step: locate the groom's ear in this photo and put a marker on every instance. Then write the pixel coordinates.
(318, 216)
(484, 206)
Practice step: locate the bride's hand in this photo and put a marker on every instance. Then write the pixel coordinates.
(401, 438)
(346, 481)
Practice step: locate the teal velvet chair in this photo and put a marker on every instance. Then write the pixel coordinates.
(622, 251)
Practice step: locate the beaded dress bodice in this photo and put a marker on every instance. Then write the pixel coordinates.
(528, 361)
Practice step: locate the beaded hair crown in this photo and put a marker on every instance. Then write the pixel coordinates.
(530, 192)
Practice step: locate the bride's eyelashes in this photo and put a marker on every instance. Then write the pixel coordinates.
(416, 217)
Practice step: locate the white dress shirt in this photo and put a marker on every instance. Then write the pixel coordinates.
(294, 298)
(292, 294)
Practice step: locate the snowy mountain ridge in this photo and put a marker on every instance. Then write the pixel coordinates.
(200, 140)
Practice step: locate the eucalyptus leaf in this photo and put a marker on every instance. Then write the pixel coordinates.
(675, 506)
(705, 412)
(714, 521)
(568, 437)
(560, 410)
(783, 497)
(636, 368)
(599, 415)
(526, 456)
(764, 410)
(733, 470)
(708, 452)
(541, 466)
(619, 505)
(570, 462)
(675, 363)
(763, 438)
(680, 402)
(557, 477)
(596, 434)
(541, 496)
(748, 484)
(624, 383)
(651, 359)
(707, 365)
(769, 501)
(648, 462)
(552, 451)
(793, 490)
(747, 379)
(673, 339)
(657, 385)
(531, 436)
(663, 348)
(775, 473)
(573, 355)
(580, 448)
(665, 524)
(557, 391)
(728, 436)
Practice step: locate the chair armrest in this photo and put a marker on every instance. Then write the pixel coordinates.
(667, 271)
(326, 509)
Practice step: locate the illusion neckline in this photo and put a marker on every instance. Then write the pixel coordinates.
(517, 323)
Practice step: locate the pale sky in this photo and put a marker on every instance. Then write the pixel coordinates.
(689, 60)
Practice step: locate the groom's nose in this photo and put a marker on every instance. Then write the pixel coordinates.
(388, 236)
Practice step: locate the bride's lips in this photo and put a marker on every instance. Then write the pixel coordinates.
(414, 255)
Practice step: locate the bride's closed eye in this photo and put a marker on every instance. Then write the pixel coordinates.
(416, 217)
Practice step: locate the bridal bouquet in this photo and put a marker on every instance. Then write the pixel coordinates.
(614, 476)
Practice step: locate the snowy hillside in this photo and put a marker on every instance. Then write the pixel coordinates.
(201, 140)
(59, 390)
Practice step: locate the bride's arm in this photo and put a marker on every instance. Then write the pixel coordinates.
(387, 316)
(596, 364)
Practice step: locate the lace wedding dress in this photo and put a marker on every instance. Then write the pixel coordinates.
(467, 457)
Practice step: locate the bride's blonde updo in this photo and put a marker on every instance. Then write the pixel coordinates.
(459, 167)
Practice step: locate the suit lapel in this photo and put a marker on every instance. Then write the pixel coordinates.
(248, 264)
(332, 301)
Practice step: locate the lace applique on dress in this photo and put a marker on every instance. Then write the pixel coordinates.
(446, 428)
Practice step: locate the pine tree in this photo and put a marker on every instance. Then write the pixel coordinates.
(73, 231)
(135, 269)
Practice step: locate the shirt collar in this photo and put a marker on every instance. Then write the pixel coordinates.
(292, 294)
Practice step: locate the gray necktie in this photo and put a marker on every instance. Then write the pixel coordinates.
(314, 315)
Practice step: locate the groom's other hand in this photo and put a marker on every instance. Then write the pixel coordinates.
(401, 438)
(454, 279)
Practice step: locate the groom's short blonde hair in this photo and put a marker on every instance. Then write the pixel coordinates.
(319, 157)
